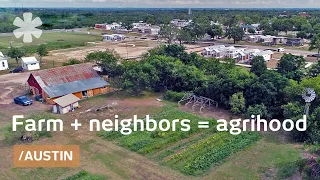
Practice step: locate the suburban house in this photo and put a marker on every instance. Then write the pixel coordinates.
(247, 55)
(30, 63)
(3, 62)
(80, 80)
(180, 23)
(65, 104)
(304, 14)
(145, 28)
(114, 26)
(221, 51)
(242, 55)
(113, 37)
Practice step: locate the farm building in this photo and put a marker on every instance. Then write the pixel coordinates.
(66, 104)
(80, 80)
(30, 63)
(3, 62)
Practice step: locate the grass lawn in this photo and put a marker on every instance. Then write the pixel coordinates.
(54, 40)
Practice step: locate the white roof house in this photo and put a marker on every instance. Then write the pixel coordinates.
(3, 62)
(65, 104)
(30, 63)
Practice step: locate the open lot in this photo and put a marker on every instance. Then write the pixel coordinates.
(67, 39)
(130, 48)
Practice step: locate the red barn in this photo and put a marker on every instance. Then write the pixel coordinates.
(80, 79)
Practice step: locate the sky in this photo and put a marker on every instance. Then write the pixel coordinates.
(164, 3)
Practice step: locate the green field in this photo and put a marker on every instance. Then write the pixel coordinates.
(54, 40)
(192, 152)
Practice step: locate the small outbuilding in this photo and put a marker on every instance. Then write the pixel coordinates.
(30, 63)
(3, 62)
(65, 104)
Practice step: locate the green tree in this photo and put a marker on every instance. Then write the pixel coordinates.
(259, 109)
(302, 34)
(42, 51)
(108, 60)
(16, 54)
(237, 103)
(235, 33)
(314, 70)
(292, 110)
(215, 30)
(169, 32)
(259, 65)
(138, 77)
(72, 62)
(291, 66)
(184, 35)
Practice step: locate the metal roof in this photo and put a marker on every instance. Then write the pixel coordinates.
(68, 79)
(75, 86)
(64, 74)
(66, 100)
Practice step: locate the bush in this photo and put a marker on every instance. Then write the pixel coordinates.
(84, 175)
(174, 96)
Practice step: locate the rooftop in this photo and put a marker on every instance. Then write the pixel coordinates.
(29, 60)
(66, 100)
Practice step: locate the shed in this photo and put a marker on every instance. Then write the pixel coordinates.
(30, 63)
(3, 62)
(66, 104)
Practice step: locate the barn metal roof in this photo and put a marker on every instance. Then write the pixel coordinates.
(75, 86)
(66, 100)
(64, 74)
(68, 79)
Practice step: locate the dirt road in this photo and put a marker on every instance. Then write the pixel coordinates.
(12, 85)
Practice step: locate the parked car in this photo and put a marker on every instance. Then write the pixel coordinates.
(17, 70)
(23, 100)
(270, 49)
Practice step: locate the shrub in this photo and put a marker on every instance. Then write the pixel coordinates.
(84, 175)
(174, 96)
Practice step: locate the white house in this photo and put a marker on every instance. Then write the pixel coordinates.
(113, 37)
(180, 23)
(242, 55)
(30, 63)
(267, 55)
(65, 104)
(220, 51)
(3, 62)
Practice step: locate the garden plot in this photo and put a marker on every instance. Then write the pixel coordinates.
(192, 152)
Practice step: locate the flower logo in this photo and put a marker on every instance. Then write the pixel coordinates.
(27, 27)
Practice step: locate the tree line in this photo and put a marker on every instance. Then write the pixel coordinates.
(273, 94)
